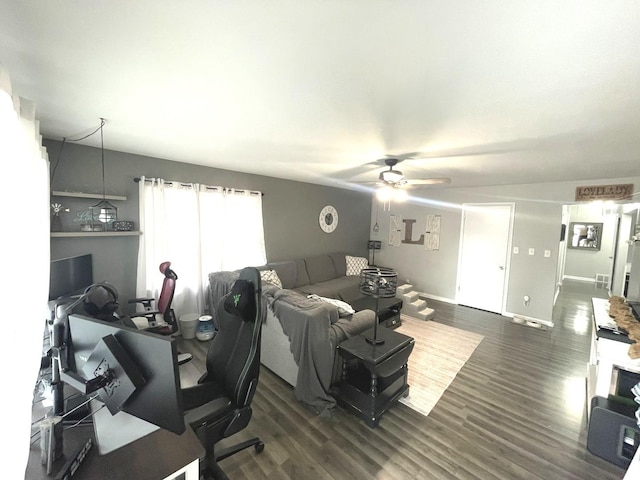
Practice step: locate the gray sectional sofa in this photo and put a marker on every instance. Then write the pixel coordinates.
(300, 335)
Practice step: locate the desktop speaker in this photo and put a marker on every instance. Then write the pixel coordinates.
(613, 432)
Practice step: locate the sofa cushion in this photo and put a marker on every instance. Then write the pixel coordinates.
(286, 270)
(302, 277)
(339, 263)
(348, 287)
(320, 268)
(343, 288)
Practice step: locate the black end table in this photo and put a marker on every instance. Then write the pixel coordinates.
(388, 309)
(374, 377)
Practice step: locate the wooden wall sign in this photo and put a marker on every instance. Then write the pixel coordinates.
(408, 233)
(604, 192)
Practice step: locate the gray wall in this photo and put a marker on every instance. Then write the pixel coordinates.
(290, 209)
(291, 223)
(538, 216)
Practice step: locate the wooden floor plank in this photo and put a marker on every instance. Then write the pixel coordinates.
(516, 410)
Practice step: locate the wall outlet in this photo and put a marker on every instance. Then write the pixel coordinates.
(547, 253)
(532, 251)
(516, 250)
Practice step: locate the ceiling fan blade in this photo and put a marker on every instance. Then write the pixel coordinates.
(358, 170)
(428, 181)
(498, 148)
(373, 182)
(400, 157)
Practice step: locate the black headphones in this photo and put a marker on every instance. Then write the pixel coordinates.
(101, 300)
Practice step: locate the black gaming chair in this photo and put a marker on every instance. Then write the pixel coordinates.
(163, 305)
(220, 404)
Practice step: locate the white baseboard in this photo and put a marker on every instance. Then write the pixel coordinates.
(579, 279)
(547, 323)
(435, 297)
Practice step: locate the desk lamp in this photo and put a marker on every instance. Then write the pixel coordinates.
(377, 282)
(374, 245)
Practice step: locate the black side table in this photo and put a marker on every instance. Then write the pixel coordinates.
(388, 309)
(374, 377)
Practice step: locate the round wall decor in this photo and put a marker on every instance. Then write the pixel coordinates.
(328, 219)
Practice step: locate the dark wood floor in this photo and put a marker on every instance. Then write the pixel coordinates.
(516, 410)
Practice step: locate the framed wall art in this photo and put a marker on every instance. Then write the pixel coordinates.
(585, 235)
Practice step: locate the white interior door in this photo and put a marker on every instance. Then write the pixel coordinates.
(620, 254)
(484, 256)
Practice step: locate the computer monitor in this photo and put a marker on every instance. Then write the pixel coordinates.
(70, 276)
(159, 399)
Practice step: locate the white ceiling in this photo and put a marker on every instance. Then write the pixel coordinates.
(492, 91)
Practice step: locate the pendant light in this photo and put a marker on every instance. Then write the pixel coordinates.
(103, 211)
(376, 227)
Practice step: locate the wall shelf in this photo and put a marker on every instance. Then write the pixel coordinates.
(87, 195)
(94, 234)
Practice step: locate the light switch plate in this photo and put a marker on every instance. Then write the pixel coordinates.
(547, 253)
(532, 251)
(516, 250)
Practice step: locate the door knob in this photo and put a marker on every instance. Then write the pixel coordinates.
(501, 267)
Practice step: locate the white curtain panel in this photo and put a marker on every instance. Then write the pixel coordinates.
(25, 198)
(199, 230)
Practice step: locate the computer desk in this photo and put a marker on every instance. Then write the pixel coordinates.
(159, 455)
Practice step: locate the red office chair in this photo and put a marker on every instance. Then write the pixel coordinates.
(169, 324)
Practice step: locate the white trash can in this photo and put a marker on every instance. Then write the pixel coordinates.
(189, 325)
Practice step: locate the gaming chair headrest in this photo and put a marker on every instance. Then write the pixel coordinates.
(102, 300)
(167, 272)
(241, 300)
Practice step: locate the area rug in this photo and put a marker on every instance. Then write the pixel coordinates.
(439, 353)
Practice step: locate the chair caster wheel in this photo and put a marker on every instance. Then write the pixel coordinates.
(259, 447)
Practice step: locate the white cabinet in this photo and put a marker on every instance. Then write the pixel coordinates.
(607, 354)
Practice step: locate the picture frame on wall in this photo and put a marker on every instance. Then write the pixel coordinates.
(585, 235)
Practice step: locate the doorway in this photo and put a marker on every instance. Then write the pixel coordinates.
(485, 242)
(607, 267)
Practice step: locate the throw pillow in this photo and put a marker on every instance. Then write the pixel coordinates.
(271, 276)
(344, 309)
(355, 264)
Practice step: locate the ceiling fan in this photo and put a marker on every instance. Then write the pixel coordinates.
(395, 178)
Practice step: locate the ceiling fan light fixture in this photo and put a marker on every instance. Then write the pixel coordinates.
(391, 176)
(385, 194)
(400, 195)
(389, 194)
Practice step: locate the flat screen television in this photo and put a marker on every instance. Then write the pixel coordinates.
(70, 276)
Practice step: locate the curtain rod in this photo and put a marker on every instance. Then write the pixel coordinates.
(224, 189)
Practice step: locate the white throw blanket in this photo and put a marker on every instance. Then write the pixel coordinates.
(344, 308)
